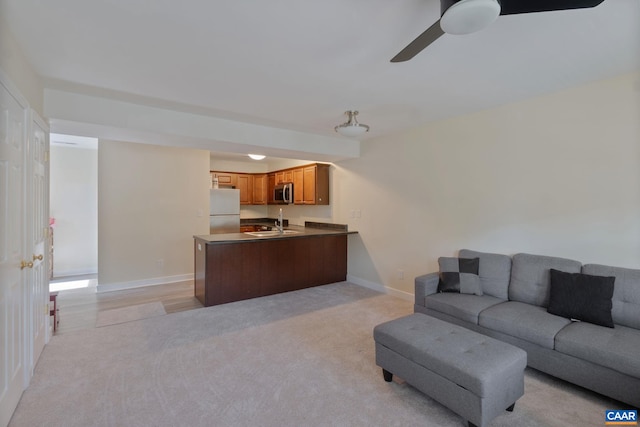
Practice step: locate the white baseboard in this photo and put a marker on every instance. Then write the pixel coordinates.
(71, 273)
(109, 287)
(380, 288)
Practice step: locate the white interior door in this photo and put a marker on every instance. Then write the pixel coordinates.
(12, 252)
(37, 240)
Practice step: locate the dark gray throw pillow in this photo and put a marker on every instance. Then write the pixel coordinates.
(582, 297)
(459, 275)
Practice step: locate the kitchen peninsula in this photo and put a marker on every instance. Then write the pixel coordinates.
(237, 266)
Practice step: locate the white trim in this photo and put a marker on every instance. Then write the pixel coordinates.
(70, 273)
(380, 288)
(35, 116)
(142, 283)
(105, 118)
(14, 90)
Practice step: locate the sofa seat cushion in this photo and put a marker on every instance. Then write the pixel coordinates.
(461, 306)
(617, 348)
(525, 321)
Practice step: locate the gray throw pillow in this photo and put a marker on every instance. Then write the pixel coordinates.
(459, 275)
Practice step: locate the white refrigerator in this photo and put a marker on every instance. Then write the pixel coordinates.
(224, 211)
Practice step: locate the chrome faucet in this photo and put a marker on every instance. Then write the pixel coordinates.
(279, 222)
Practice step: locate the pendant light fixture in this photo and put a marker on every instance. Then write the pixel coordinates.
(351, 127)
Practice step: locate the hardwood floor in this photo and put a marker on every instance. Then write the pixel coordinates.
(78, 308)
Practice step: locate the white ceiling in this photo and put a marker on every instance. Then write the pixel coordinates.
(300, 64)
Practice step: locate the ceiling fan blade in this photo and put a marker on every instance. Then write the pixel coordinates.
(430, 35)
(511, 7)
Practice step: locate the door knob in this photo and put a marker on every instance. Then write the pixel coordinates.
(26, 264)
(38, 257)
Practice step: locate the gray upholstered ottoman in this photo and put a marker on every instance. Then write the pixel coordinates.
(475, 376)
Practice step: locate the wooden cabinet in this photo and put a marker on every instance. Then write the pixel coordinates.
(316, 184)
(224, 273)
(260, 188)
(310, 184)
(284, 176)
(225, 179)
(233, 271)
(271, 185)
(298, 186)
(245, 185)
(245, 182)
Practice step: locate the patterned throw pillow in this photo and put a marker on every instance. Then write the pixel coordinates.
(459, 275)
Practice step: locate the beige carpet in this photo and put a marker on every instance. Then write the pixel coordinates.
(129, 314)
(303, 358)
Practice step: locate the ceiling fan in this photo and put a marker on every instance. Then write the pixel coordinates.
(468, 16)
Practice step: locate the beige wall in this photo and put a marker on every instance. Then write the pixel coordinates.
(556, 175)
(152, 200)
(18, 69)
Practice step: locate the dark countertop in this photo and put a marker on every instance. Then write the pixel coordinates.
(311, 229)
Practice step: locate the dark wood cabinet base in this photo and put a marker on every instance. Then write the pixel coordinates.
(234, 271)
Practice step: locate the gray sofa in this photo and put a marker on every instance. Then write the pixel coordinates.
(513, 306)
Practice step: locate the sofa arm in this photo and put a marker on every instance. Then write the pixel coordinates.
(426, 284)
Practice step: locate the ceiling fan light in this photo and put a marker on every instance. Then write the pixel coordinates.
(257, 156)
(351, 127)
(469, 16)
(351, 130)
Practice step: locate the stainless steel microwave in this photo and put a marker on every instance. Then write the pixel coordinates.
(283, 193)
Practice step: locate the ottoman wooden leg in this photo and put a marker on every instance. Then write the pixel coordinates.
(510, 409)
(388, 376)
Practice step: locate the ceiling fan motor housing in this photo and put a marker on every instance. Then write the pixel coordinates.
(467, 16)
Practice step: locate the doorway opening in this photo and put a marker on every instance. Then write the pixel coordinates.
(73, 282)
(73, 212)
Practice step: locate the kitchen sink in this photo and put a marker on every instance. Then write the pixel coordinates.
(271, 233)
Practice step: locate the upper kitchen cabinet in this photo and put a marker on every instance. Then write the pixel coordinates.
(271, 186)
(310, 184)
(284, 176)
(225, 179)
(298, 186)
(260, 188)
(245, 185)
(315, 184)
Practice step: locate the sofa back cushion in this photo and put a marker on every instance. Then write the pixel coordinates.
(626, 293)
(530, 277)
(494, 271)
